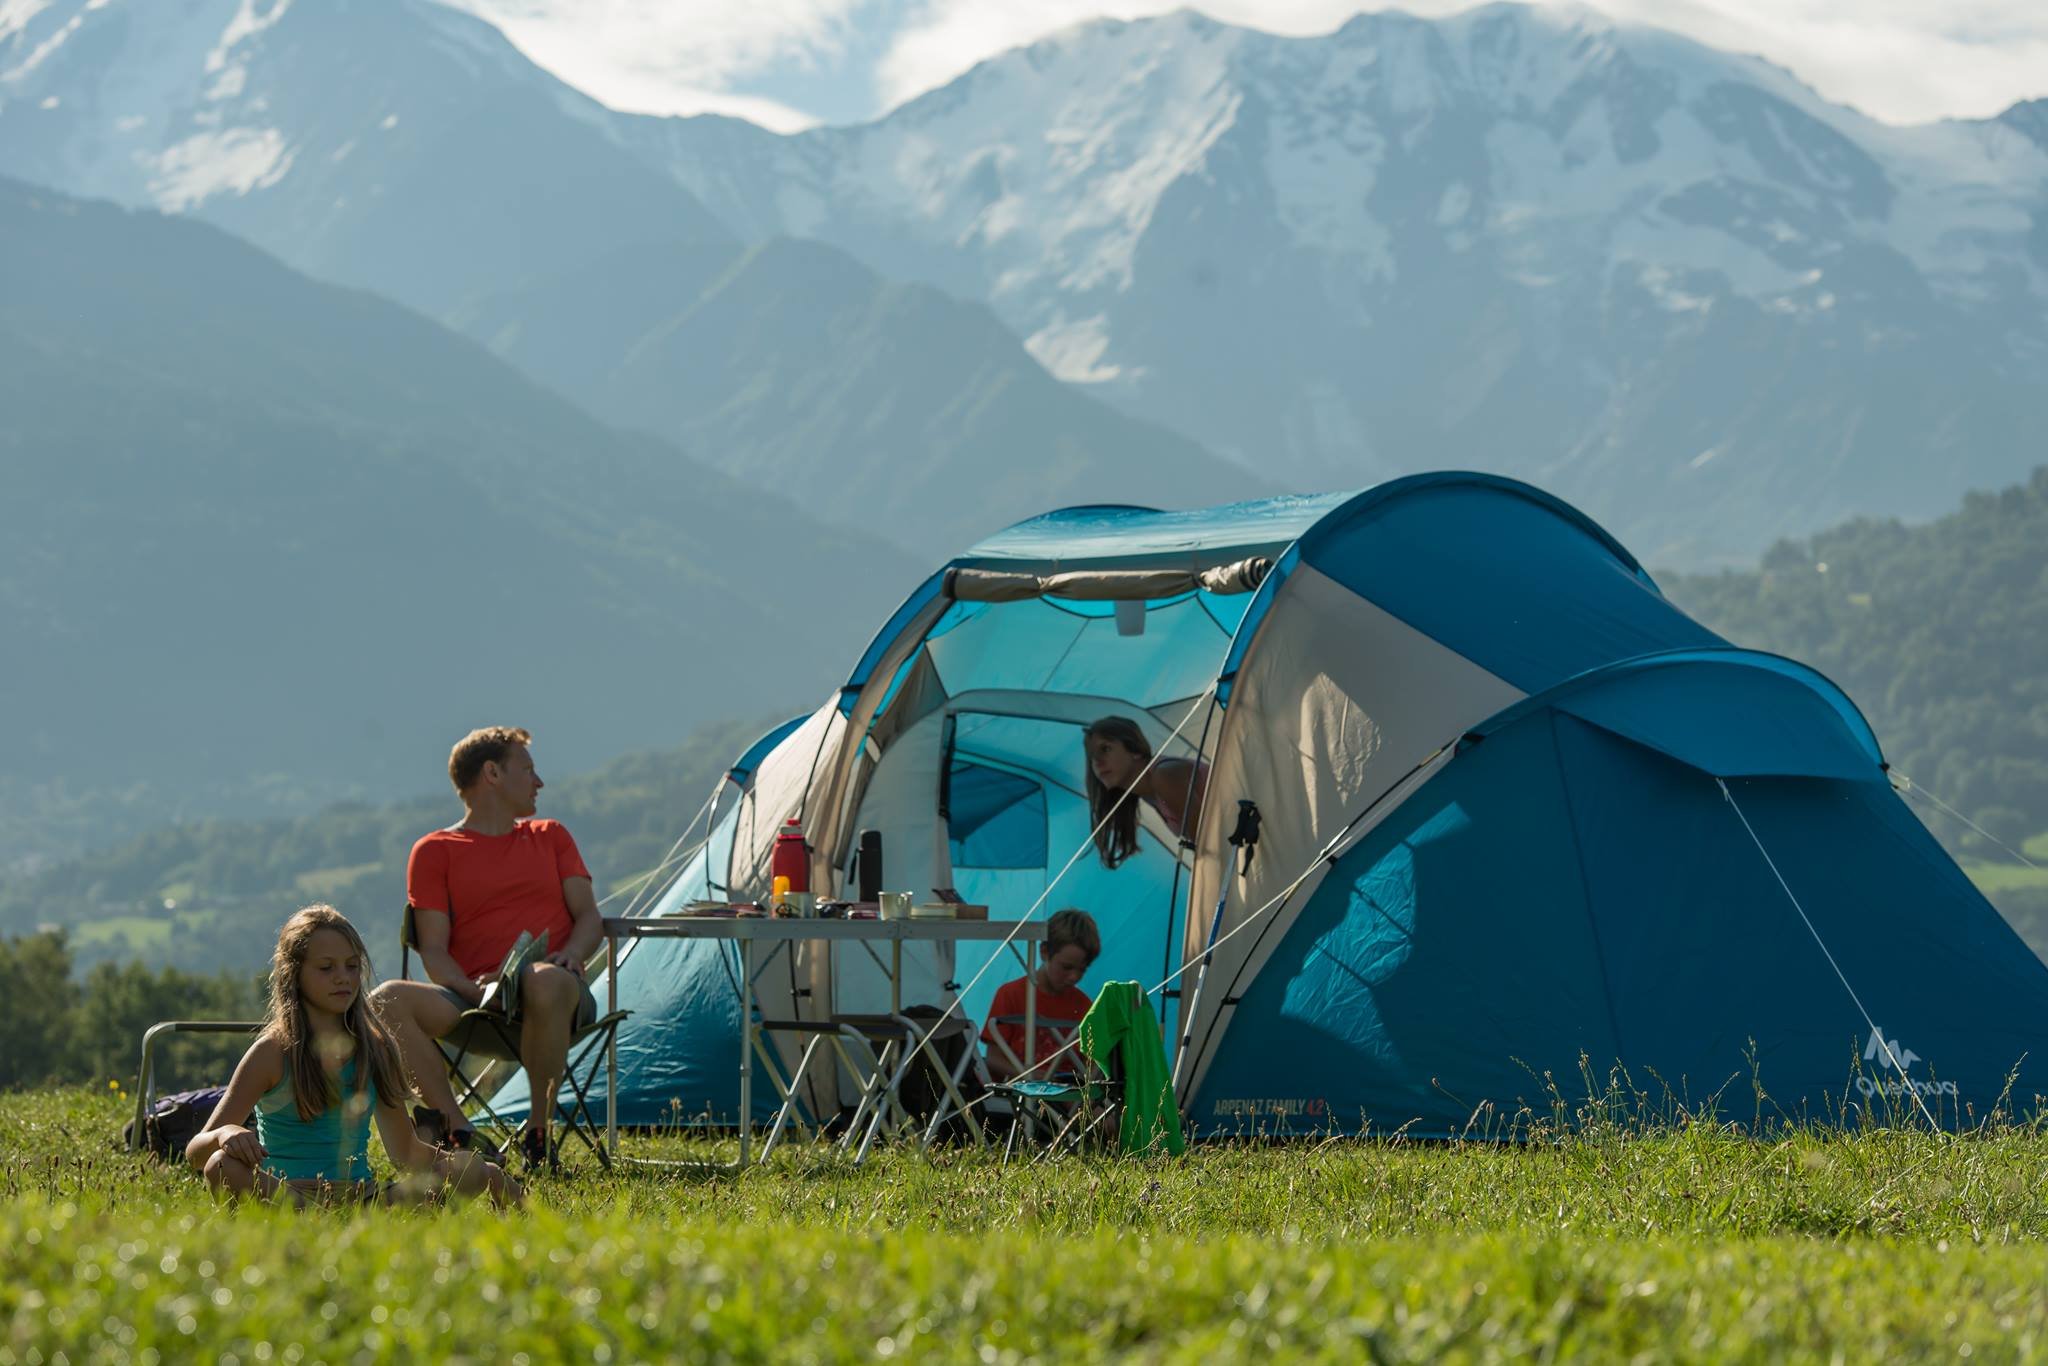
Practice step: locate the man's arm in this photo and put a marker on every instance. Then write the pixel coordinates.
(589, 927)
(432, 929)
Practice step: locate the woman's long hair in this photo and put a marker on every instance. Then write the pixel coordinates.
(1116, 839)
(374, 1053)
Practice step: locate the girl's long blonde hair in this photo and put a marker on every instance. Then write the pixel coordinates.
(287, 1023)
(1117, 840)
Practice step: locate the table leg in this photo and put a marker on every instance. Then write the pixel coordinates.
(611, 1049)
(1030, 1005)
(896, 977)
(746, 1044)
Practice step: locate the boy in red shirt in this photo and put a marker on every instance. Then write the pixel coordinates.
(1072, 944)
(475, 887)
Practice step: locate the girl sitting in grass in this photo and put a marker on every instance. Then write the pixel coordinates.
(319, 1068)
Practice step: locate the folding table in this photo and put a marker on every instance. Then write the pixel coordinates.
(781, 934)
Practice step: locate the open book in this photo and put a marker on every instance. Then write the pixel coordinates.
(502, 995)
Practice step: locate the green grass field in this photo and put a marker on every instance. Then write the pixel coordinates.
(2005, 877)
(139, 934)
(1686, 1244)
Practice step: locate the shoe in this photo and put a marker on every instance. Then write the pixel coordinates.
(533, 1146)
(431, 1125)
(469, 1140)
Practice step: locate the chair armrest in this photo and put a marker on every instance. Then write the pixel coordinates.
(145, 1075)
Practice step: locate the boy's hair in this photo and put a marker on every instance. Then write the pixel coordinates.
(1073, 929)
(374, 1052)
(488, 745)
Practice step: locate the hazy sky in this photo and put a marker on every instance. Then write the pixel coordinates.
(791, 63)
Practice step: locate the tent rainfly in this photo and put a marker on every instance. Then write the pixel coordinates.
(1522, 820)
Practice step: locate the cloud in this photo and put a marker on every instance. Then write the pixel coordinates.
(659, 57)
(1904, 61)
(1898, 60)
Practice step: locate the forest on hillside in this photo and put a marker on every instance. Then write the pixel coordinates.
(1939, 631)
(209, 895)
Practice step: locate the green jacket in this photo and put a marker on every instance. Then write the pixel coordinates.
(1120, 1026)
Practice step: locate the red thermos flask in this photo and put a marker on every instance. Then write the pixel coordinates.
(792, 857)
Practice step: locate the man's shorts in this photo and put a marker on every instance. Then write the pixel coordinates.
(586, 1007)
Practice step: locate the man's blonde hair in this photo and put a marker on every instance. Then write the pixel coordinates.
(486, 746)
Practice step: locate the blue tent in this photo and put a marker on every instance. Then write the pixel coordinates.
(1518, 811)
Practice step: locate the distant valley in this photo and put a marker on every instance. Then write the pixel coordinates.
(1669, 283)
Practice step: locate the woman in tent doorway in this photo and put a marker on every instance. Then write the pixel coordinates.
(1118, 753)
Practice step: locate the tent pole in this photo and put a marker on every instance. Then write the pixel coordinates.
(1173, 897)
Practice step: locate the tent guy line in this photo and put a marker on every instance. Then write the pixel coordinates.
(1875, 1033)
(1338, 845)
(1902, 783)
(669, 859)
(1329, 853)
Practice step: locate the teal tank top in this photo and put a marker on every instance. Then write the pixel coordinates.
(333, 1145)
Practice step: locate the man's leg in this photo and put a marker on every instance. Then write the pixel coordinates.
(548, 998)
(417, 1013)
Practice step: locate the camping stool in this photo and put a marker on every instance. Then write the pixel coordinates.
(1034, 1102)
(1072, 1111)
(492, 1038)
(850, 1045)
(901, 1039)
(826, 1036)
(145, 1077)
(1037, 1101)
(1041, 1096)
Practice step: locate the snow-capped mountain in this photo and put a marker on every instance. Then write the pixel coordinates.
(391, 144)
(1671, 282)
(409, 149)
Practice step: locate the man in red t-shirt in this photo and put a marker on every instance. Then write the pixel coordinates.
(475, 887)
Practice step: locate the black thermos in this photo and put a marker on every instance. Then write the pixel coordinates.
(870, 865)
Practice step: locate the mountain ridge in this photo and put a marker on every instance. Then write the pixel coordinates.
(895, 406)
(259, 522)
(396, 146)
(1525, 220)
(1672, 284)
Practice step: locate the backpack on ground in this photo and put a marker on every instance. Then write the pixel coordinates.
(923, 1090)
(173, 1120)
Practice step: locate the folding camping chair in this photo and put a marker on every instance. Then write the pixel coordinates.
(875, 1052)
(1120, 1035)
(145, 1076)
(1031, 1097)
(1068, 1111)
(489, 1037)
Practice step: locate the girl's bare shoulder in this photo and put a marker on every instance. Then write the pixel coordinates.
(266, 1055)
